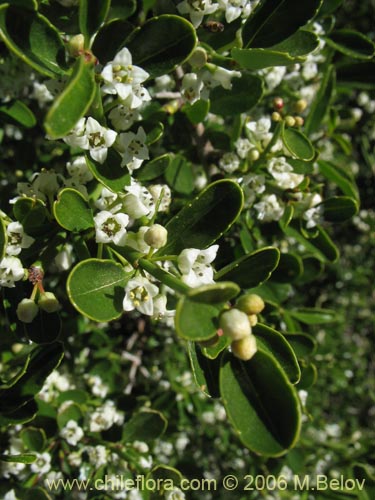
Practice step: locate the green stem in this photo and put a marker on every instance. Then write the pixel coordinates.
(99, 254)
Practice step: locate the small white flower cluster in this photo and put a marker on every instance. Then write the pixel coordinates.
(233, 9)
(11, 268)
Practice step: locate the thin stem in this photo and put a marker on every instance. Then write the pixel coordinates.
(99, 254)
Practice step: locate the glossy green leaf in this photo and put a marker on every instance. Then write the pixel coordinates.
(216, 293)
(329, 6)
(153, 169)
(312, 269)
(32, 214)
(22, 458)
(206, 371)
(162, 43)
(92, 14)
(303, 345)
(274, 343)
(212, 351)
(45, 328)
(322, 102)
(110, 173)
(21, 415)
(122, 9)
(73, 102)
(96, 289)
(70, 412)
(110, 39)
(43, 360)
(286, 217)
(276, 20)
(180, 175)
(196, 112)
(309, 376)
(144, 426)
(17, 112)
(206, 218)
(321, 246)
(3, 238)
(323, 242)
(315, 316)
(72, 211)
(351, 43)
(333, 173)
(251, 270)
(261, 403)
(196, 321)
(34, 39)
(76, 395)
(34, 439)
(289, 269)
(301, 43)
(263, 58)
(338, 208)
(24, 4)
(357, 75)
(245, 93)
(297, 144)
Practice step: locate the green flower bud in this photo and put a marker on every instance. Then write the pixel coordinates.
(198, 58)
(253, 319)
(244, 348)
(27, 310)
(254, 154)
(48, 302)
(250, 304)
(76, 45)
(300, 105)
(235, 324)
(290, 121)
(156, 236)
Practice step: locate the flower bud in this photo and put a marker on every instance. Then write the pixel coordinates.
(48, 302)
(235, 324)
(156, 236)
(253, 319)
(299, 121)
(250, 303)
(245, 348)
(254, 154)
(198, 58)
(290, 121)
(27, 310)
(76, 45)
(300, 105)
(276, 117)
(278, 103)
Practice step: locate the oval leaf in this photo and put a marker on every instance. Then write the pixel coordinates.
(34, 39)
(72, 211)
(18, 113)
(73, 102)
(34, 439)
(297, 144)
(311, 316)
(96, 289)
(110, 173)
(92, 13)
(245, 93)
(110, 39)
(263, 58)
(180, 175)
(251, 270)
(216, 293)
(333, 173)
(289, 269)
(153, 169)
(303, 42)
(196, 321)
(261, 403)
(202, 221)
(303, 345)
(322, 102)
(339, 208)
(144, 426)
(162, 43)
(351, 43)
(206, 371)
(32, 214)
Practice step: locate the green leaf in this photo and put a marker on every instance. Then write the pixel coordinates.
(45, 328)
(76, 395)
(144, 426)
(33, 215)
(309, 376)
(297, 144)
(351, 43)
(96, 289)
(17, 112)
(71, 412)
(274, 343)
(251, 270)
(329, 6)
(25, 4)
(217, 293)
(312, 269)
(325, 245)
(34, 439)
(73, 102)
(314, 316)
(21, 415)
(92, 13)
(301, 43)
(358, 75)
(261, 403)
(333, 173)
(162, 43)
(276, 20)
(180, 175)
(303, 345)
(196, 112)
(246, 92)
(3, 238)
(37, 493)
(122, 9)
(110, 39)
(34, 39)
(196, 321)
(322, 102)
(263, 58)
(153, 169)
(23, 458)
(110, 173)
(320, 247)
(289, 269)
(205, 219)
(72, 211)
(338, 208)
(213, 351)
(206, 371)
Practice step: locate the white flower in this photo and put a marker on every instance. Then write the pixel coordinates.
(141, 446)
(17, 239)
(72, 432)
(175, 494)
(191, 87)
(42, 464)
(64, 259)
(162, 195)
(195, 265)
(90, 135)
(259, 130)
(309, 70)
(138, 201)
(243, 146)
(139, 293)
(229, 162)
(196, 9)
(97, 455)
(123, 117)
(41, 93)
(42, 185)
(269, 208)
(11, 270)
(106, 201)
(10, 495)
(217, 75)
(79, 170)
(111, 227)
(98, 387)
(160, 307)
(235, 8)
(253, 184)
(120, 77)
(104, 417)
(283, 173)
(132, 147)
